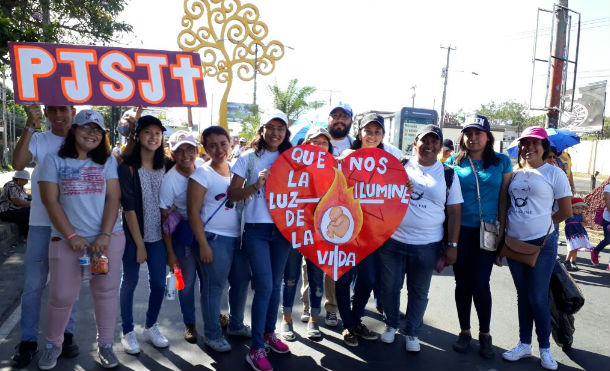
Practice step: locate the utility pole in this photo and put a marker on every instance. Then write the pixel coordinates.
(559, 58)
(413, 96)
(445, 74)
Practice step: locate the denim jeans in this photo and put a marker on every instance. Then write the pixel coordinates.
(606, 241)
(532, 286)
(36, 273)
(472, 271)
(316, 287)
(156, 259)
(188, 258)
(292, 273)
(268, 252)
(417, 262)
(364, 273)
(228, 263)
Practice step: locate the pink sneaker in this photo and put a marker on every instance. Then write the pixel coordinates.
(257, 358)
(594, 258)
(276, 344)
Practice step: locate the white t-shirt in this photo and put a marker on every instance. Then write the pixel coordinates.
(40, 146)
(346, 152)
(173, 191)
(256, 207)
(340, 145)
(606, 215)
(226, 220)
(82, 192)
(393, 150)
(532, 193)
(423, 222)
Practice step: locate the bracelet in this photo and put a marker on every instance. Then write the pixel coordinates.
(71, 236)
(104, 234)
(31, 130)
(452, 244)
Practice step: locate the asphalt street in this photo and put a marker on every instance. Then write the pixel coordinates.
(590, 350)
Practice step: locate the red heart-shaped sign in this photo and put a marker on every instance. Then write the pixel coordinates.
(337, 214)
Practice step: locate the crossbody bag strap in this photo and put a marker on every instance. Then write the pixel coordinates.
(547, 234)
(476, 178)
(222, 202)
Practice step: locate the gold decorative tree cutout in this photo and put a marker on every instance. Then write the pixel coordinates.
(228, 34)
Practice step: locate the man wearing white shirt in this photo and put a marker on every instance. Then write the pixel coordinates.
(339, 124)
(34, 146)
(418, 241)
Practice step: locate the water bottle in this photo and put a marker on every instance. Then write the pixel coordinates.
(85, 266)
(170, 286)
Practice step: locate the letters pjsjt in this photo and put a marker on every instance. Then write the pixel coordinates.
(69, 74)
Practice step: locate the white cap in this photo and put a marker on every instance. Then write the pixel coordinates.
(179, 138)
(316, 131)
(274, 115)
(22, 174)
(88, 116)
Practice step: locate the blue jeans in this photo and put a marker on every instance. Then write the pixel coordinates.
(292, 273)
(472, 271)
(364, 273)
(228, 263)
(606, 241)
(36, 273)
(156, 259)
(315, 276)
(268, 252)
(532, 286)
(188, 258)
(417, 262)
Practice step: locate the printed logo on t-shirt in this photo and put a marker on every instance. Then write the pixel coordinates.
(415, 196)
(85, 180)
(520, 195)
(228, 204)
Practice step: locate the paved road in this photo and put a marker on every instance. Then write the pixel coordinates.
(591, 348)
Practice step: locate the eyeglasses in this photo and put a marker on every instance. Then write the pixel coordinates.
(190, 150)
(93, 130)
(340, 116)
(278, 129)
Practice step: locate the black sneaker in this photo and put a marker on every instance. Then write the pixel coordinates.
(190, 333)
(486, 349)
(569, 266)
(350, 338)
(574, 267)
(68, 348)
(24, 353)
(462, 343)
(362, 331)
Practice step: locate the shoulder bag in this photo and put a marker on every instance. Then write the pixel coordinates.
(488, 231)
(522, 252)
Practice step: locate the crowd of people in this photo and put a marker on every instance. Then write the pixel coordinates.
(211, 220)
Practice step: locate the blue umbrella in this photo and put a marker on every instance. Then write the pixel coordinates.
(300, 127)
(559, 138)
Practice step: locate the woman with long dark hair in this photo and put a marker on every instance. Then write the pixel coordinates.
(484, 177)
(265, 245)
(81, 192)
(533, 189)
(140, 176)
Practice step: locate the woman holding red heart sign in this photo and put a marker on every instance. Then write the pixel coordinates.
(265, 246)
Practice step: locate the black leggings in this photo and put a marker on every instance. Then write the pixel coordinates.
(472, 271)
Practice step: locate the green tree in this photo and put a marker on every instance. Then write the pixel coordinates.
(293, 101)
(250, 123)
(76, 21)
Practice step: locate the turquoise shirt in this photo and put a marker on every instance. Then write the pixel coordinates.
(490, 181)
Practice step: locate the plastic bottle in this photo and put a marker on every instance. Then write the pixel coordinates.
(85, 265)
(179, 278)
(170, 286)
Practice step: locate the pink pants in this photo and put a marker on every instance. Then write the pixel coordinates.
(66, 283)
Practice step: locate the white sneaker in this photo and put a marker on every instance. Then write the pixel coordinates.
(130, 343)
(412, 344)
(244, 331)
(389, 334)
(154, 335)
(519, 351)
(219, 345)
(547, 360)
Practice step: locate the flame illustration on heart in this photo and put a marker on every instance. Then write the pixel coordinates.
(338, 216)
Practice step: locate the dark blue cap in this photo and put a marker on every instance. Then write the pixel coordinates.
(478, 122)
(148, 120)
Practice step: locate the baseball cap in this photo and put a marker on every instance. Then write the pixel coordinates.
(242, 140)
(478, 122)
(534, 132)
(274, 115)
(371, 117)
(179, 138)
(22, 174)
(577, 201)
(427, 129)
(345, 107)
(448, 144)
(87, 116)
(316, 131)
(148, 120)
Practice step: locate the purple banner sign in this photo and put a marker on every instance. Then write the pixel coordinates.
(60, 75)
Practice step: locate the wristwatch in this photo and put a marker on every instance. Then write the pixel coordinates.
(452, 244)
